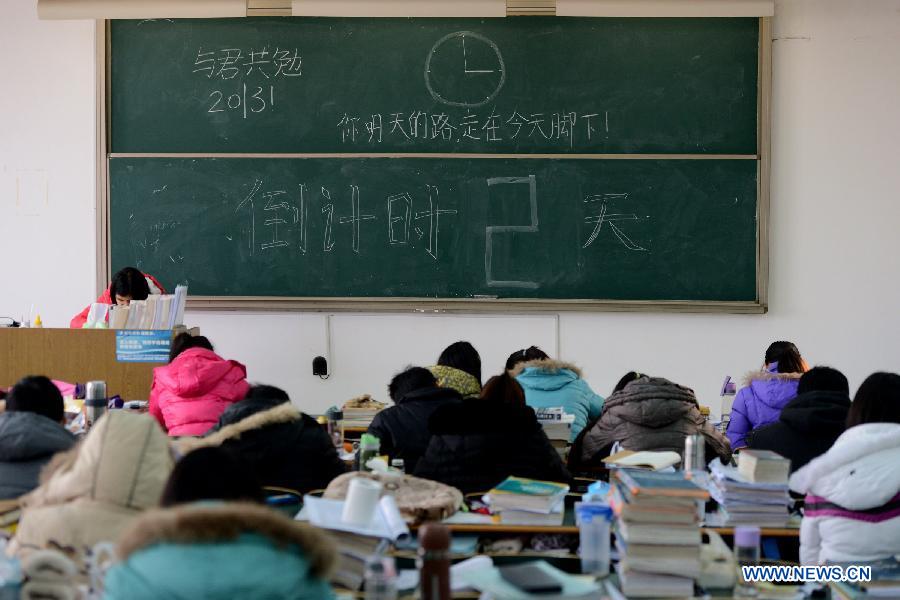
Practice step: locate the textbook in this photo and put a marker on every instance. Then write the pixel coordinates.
(640, 584)
(763, 466)
(664, 559)
(652, 533)
(653, 511)
(650, 461)
(660, 484)
(530, 517)
(527, 494)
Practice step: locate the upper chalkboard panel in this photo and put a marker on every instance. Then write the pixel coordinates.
(501, 86)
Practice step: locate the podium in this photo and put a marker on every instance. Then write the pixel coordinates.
(72, 355)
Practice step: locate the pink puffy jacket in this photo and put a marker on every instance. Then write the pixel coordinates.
(190, 393)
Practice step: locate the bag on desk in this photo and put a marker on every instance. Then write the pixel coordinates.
(418, 499)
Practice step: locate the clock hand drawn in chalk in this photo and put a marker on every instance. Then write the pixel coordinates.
(464, 68)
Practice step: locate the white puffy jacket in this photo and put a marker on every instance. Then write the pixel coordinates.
(853, 497)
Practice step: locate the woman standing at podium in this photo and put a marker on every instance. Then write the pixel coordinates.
(127, 285)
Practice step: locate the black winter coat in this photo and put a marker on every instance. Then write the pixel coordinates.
(808, 426)
(478, 443)
(403, 428)
(285, 447)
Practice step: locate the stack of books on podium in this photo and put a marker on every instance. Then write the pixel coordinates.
(657, 533)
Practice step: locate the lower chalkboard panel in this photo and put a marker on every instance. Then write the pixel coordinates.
(440, 228)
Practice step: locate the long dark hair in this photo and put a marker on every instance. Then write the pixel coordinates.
(787, 356)
(129, 282)
(462, 356)
(525, 355)
(877, 400)
(213, 473)
(505, 389)
(626, 379)
(185, 341)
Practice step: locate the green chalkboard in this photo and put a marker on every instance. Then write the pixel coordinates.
(440, 228)
(515, 85)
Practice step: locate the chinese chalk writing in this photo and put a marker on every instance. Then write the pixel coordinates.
(567, 127)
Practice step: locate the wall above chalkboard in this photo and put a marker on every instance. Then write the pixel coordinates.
(545, 162)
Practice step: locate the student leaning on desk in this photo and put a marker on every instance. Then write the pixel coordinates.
(126, 285)
(31, 431)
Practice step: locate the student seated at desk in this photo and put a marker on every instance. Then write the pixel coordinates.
(221, 551)
(647, 413)
(91, 493)
(478, 443)
(190, 393)
(208, 474)
(548, 383)
(284, 447)
(31, 431)
(403, 428)
(852, 511)
(459, 368)
(766, 392)
(810, 423)
(127, 285)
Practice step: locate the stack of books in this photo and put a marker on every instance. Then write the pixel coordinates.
(355, 543)
(745, 501)
(359, 412)
(657, 533)
(156, 312)
(557, 425)
(528, 501)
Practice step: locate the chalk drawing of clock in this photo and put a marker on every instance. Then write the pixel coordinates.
(464, 68)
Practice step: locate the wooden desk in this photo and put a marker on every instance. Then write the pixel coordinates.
(73, 355)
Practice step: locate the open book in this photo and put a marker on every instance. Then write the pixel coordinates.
(653, 461)
(387, 523)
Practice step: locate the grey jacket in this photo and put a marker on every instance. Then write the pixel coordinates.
(651, 413)
(27, 442)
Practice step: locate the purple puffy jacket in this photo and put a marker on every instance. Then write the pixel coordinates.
(760, 402)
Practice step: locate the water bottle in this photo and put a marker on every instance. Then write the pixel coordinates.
(368, 449)
(336, 427)
(380, 578)
(593, 533)
(694, 459)
(94, 402)
(10, 575)
(746, 553)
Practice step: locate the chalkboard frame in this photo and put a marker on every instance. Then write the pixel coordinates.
(448, 305)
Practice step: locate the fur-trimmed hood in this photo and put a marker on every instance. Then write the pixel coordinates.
(286, 447)
(772, 388)
(211, 523)
(546, 365)
(221, 552)
(281, 413)
(765, 375)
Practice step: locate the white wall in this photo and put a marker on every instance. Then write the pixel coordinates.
(47, 166)
(835, 248)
